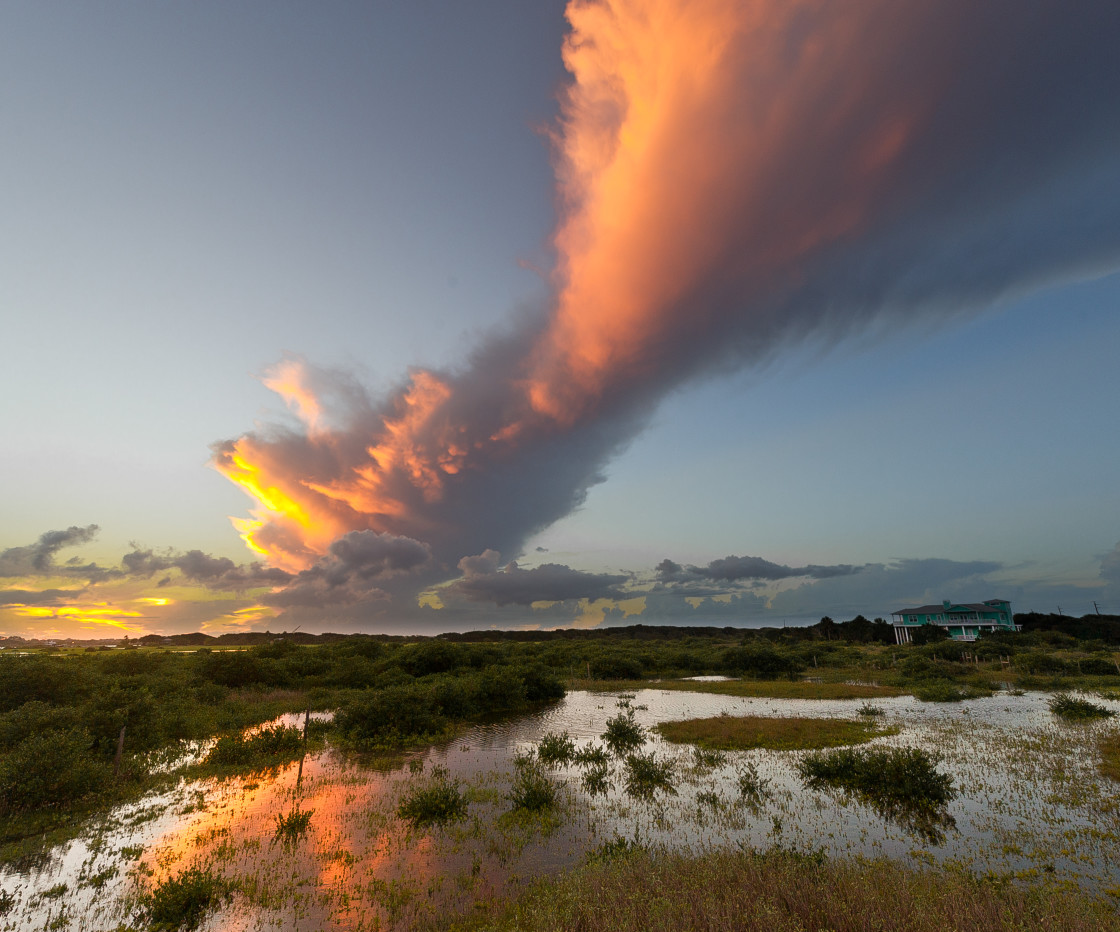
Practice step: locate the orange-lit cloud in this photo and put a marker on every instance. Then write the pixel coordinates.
(731, 177)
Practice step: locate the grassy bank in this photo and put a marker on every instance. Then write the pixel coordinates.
(742, 733)
(782, 892)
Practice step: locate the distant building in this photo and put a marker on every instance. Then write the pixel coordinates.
(964, 622)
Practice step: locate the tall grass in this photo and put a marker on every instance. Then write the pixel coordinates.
(780, 891)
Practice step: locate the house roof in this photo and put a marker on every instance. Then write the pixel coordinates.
(954, 607)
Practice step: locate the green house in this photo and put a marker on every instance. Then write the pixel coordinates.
(964, 622)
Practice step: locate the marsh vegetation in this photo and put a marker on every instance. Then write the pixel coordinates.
(453, 772)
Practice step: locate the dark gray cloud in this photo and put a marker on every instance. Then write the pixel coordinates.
(549, 582)
(211, 571)
(37, 597)
(358, 569)
(882, 588)
(38, 558)
(735, 569)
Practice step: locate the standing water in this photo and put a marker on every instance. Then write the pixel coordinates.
(1029, 804)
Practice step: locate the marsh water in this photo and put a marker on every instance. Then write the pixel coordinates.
(1030, 805)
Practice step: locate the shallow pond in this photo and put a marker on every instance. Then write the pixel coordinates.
(1030, 804)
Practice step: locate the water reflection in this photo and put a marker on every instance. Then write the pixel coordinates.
(1029, 802)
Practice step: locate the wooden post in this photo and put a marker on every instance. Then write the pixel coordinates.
(120, 752)
(303, 752)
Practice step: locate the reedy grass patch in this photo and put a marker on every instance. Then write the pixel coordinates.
(780, 891)
(742, 733)
(1108, 746)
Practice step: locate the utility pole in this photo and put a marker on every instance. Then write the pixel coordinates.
(1060, 615)
(1097, 607)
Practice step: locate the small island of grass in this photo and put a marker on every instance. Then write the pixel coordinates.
(742, 733)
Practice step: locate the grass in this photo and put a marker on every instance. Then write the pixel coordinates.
(780, 891)
(742, 733)
(1109, 748)
(1073, 709)
(436, 802)
(182, 901)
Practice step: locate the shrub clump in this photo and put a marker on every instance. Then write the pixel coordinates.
(556, 749)
(292, 826)
(646, 776)
(436, 802)
(51, 769)
(182, 901)
(532, 791)
(1073, 709)
(623, 734)
(267, 747)
(906, 778)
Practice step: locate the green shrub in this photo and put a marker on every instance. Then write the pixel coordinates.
(182, 901)
(905, 777)
(267, 747)
(397, 714)
(1073, 709)
(435, 802)
(596, 779)
(616, 667)
(760, 661)
(556, 749)
(591, 755)
(292, 826)
(1097, 666)
(51, 769)
(940, 691)
(531, 791)
(646, 776)
(623, 733)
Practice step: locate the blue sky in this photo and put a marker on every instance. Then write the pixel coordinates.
(192, 194)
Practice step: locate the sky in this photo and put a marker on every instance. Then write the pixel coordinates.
(423, 317)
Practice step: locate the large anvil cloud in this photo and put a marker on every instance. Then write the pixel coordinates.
(731, 177)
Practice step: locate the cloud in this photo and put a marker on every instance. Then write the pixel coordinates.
(734, 569)
(38, 558)
(37, 597)
(549, 582)
(777, 172)
(195, 565)
(356, 569)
